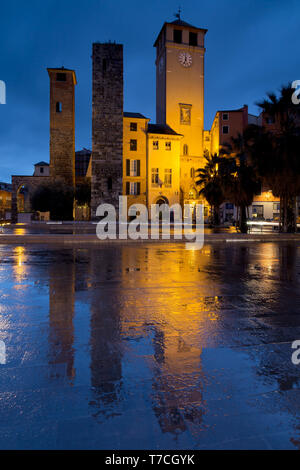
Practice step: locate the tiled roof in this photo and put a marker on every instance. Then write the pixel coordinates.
(135, 115)
(41, 164)
(183, 23)
(179, 22)
(161, 129)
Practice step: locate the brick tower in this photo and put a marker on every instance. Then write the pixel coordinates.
(62, 125)
(107, 124)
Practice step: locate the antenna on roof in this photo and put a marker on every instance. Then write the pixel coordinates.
(177, 15)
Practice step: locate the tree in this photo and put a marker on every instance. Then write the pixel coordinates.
(56, 198)
(211, 185)
(275, 152)
(239, 179)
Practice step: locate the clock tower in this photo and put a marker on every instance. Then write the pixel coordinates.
(180, 83)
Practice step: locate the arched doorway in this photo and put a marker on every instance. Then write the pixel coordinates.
(23, 200)
(23, 188)
(161, 200)
(162, 208)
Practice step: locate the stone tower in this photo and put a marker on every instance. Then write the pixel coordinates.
(107, 125)
(180, 96)
(62, 125)
(180, 82)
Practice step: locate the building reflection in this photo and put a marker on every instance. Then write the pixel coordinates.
(162, 306)
(20, 267)
(61, 314)
(105, 326)
(174, 320)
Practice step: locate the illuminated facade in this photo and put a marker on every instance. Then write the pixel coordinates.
(180, 95)
(135, 158)
(160, 160)
(151, 162)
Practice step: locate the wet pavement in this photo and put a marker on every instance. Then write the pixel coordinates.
(150, 347)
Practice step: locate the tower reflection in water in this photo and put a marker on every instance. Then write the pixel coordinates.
(105, 336)
(61, 315)
(165, 303)
(147, 315)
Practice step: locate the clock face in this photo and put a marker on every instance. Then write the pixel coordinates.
(185, 59)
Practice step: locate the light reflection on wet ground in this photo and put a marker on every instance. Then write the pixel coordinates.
(83, 228)
(150, 346)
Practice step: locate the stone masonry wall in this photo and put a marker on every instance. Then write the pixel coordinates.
(62, 126)
(107, 125)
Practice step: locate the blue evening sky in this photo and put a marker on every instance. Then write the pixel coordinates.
(252, 46)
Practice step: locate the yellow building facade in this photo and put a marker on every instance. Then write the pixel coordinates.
(160, 160)
(135, 158)
(163, 164)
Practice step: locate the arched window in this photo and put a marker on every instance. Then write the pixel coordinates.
(185, 149)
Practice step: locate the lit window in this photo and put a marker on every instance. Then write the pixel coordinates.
(168, 177)
(133, 167)
(168, 145)
(155, 145)
(133, 189)
(257, 212)
(154, 176)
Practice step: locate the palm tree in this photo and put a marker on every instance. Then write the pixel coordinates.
(275, 152)
(211, 185)
(240, 181)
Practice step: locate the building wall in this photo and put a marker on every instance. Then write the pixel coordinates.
(206, 141)
(264, 210)
(62, 125)
(188, 172)
(215, 135)
(140, 135)
(5, 202)
(236, 122)
(164, 159)
(41, 170)
(107, 124)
